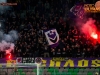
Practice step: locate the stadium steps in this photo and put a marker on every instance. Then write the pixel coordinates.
(52, 71)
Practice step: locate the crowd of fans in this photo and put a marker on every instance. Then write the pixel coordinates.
(31, 22)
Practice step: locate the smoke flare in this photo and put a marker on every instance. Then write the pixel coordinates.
(7, 41)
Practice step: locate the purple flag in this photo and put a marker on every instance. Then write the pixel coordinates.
(52, 37)
(78, 10)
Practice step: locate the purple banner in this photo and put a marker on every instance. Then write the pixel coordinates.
(71, 62)
(59, 62)
(7, 62)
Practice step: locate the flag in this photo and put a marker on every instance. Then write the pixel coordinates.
(78, 10)
(52, 37)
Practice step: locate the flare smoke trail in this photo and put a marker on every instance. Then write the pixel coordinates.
(7, 41)
(89, 28)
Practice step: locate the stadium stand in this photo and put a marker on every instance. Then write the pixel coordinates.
(31, 18)
(30, 23)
